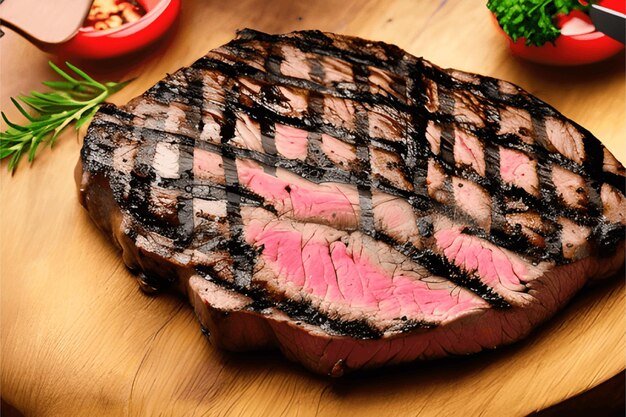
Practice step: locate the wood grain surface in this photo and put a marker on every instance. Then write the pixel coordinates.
(78, 338)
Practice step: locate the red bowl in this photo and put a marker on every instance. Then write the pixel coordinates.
(579, 43)
(89, 43)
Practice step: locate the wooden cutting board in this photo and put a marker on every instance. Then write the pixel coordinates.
(79, 338)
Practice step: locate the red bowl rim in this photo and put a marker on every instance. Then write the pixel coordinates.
(143, 21)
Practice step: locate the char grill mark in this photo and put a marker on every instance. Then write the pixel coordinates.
(314, 171)
(242, 254)
(298, 310)
(363, 153)
(446, 107)
(317, 74)
(186, 158)
(268, 129)
(141, 178)
(426, 257)
(349, 253)
(547, 189)
(440, 265)
(409, 100)
(415, 154)
(590, 215)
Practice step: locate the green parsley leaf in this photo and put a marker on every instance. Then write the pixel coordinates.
(533, 20)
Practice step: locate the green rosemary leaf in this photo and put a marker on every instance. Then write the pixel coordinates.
(21, 110)
(33, 104)
(70, 101)
(4, 153)
(115, 87)
(62, 73)
(13, 125)
(33, 147)
(60, 85)
(85, 117)
(82, 74)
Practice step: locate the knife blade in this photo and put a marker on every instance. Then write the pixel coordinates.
(608, 21)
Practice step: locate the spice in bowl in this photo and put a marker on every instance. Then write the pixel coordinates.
(128, 28)
(110, 14)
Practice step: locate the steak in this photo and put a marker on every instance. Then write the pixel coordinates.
(351, 204)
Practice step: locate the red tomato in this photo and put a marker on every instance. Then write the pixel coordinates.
(579, 42)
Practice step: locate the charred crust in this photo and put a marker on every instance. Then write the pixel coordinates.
(205, 332)
(425, 227)
(322, 173)
(151, 284)
(441, 266)
(511, 238)
(299, 311)
(607, 237)
(412, 325)
(409, 81)
(305, 312)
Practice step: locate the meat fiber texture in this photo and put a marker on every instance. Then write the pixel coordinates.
(350, 204)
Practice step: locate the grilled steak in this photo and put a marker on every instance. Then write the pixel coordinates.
(351, 204)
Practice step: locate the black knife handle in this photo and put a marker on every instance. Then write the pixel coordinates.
(609, 22)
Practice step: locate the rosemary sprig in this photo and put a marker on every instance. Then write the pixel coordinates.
(71, 100)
